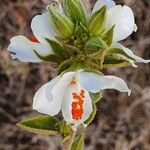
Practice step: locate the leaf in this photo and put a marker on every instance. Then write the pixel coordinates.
(75, 10)
(92, 116)
(41, 124)
(119, 51)
(57, 48)
(108, 37)
(62, 24)
(93, 45)
(95, 97)
(78, 143)
(65, 130)
(51, 57)
(97, 20)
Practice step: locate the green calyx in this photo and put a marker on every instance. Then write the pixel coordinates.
(81, 42)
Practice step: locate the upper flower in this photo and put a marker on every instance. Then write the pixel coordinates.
(67, 35)
(70, 92)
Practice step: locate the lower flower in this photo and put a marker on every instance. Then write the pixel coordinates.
(69, 92)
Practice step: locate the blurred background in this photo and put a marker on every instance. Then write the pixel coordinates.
(121, 123)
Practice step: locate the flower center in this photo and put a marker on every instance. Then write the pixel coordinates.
(77, 105)
(33, 39)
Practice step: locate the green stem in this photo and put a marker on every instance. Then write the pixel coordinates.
(67, 143)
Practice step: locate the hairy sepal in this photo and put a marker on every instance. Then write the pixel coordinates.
(62, 24)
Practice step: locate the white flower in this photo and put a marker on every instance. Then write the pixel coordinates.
(123, 19)
(69, 92)
(23, 47)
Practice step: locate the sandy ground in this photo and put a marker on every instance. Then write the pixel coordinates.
(121, 123)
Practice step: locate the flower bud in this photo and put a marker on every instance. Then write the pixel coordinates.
(63, 26)
(97, 21)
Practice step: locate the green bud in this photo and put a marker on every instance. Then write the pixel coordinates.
(75, 10)
(97, 21)
(62, 24)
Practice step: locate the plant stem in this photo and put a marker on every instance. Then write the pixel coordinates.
(66, 144)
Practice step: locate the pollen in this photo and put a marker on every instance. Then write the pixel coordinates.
(33, 39)
(77, 105)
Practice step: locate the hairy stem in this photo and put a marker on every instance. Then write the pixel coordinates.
(66, 144)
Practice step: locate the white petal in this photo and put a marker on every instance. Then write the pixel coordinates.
(43, 100)
(67, 105)
(123, 19)
(23, 49)
(100, 3)
(48, 99)
(42, 28)
(94, 82)
(130, 53)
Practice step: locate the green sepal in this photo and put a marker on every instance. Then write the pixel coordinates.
(97, 21)
(75, 10)
(93, 45)
(92, 116)
(108, 37)
(78, 143)
(95, 97)
(110, 62)
(41, 124)
(119, 51)
(50, 57)
(57, 48)
(65, 129)
(65, 65)
(62, 24)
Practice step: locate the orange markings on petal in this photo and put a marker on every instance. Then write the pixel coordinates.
(73, 82)
(33, 39)
(77, 105)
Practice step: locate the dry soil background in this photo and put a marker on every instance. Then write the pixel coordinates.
(121, 123)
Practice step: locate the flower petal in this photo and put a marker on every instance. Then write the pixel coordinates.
(123, 19)
(130, 53)
(71, 109)
(100, 3)
(48, 99)
(43, 100)
(23, 49)
(94, 82)
(42, 28)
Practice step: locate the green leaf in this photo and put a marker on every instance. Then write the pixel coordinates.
(119, 51)
(65, 130)
(51, 57)
(62, 24)
(108, 37)
(97, 21)
(57, 48)
(75, 10)
(92, 116)
(78, 143)
(41, 124)
(95, 97)
(93, 45)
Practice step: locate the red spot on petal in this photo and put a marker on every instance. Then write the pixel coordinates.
(33, 39)
(77, 105)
